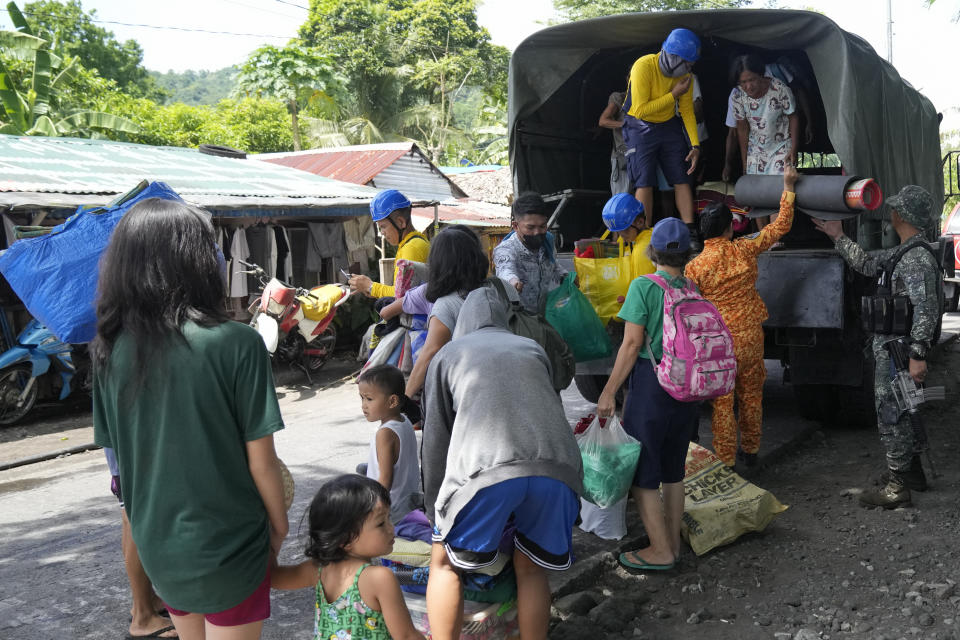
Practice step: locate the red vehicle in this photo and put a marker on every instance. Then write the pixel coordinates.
(295, 323)
(951, 286)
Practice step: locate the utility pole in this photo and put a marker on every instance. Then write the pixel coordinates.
(890, 31)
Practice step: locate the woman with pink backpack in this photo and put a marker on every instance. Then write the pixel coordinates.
(667, 378)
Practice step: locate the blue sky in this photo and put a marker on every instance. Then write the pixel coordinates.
(923, 41)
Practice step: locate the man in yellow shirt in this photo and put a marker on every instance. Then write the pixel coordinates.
(660, 85)
(624, 215)
(391, 211)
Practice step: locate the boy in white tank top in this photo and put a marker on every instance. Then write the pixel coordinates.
(393, 460)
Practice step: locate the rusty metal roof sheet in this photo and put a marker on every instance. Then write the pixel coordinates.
(392, 165)
(463, 211)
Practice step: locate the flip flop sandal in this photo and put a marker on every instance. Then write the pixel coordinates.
(155, 634)
(643, 565)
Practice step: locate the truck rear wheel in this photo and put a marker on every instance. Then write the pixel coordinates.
(590, 386)
(951, 296)
(815, 401)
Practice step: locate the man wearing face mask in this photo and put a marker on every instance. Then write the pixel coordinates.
(660, 85)
(526, 258)
(908, 271)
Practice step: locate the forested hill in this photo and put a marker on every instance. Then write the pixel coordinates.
(196, 87)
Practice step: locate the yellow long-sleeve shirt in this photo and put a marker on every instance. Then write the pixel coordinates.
(415, 247)
(639, 262)
(651, 100)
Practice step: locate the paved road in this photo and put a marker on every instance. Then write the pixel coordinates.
(61, 572)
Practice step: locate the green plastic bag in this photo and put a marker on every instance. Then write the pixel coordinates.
(610, 458)
(572, 315)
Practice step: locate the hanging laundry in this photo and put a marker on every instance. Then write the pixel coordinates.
(288, 260)
(326, 240)
(9, 232)
(283, 252)
(239, 250)
(361, 241)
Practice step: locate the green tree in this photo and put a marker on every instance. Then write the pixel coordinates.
(256, 125)
(572, 10)
(73, 33)
(197, 87)
(34, 89)
(295, 74)
(407, 64)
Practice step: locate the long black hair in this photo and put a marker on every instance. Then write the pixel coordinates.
(337, 513)
(457, 263)
(160, 270)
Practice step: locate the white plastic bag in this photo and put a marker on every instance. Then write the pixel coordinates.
(609, 523)
(610, 457)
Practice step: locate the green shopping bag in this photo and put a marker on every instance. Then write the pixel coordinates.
(610, 457)
(572, 315)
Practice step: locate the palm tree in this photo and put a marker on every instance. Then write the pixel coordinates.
(30, 107)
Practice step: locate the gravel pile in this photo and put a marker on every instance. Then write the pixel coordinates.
(826, 568)
(489, 186)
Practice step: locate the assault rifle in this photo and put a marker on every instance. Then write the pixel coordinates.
(909, 396)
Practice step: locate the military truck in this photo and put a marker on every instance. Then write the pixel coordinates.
(866, 120)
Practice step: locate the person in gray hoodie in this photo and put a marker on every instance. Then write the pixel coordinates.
(496, 443)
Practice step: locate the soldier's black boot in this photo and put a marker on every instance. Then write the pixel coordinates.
(914, 478)
(890, 496)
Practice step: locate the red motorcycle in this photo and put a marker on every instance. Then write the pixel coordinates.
(296, 324)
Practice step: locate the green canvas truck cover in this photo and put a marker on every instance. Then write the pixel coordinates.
(876, 122)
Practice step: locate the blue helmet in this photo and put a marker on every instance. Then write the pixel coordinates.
(683, 43)
(620, 211)
(386, 203)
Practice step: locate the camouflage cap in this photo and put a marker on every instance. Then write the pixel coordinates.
(914, 205)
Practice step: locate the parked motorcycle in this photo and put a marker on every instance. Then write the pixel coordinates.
(36, 363)
(296, 324)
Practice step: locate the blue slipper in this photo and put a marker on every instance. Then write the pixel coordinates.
(642, 565)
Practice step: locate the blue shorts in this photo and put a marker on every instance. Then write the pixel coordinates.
(662, 424)
(544, 511)
(653, 144)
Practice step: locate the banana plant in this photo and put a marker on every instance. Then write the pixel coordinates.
(30, 108)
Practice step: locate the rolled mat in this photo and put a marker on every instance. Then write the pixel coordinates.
(864, 194)
(823, 197)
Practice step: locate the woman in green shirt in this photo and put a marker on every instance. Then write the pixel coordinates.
(650, 414)
(186, 400)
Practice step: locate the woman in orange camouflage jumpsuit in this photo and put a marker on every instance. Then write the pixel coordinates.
(726, 273)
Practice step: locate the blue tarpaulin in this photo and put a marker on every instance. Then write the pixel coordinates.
(56, 275)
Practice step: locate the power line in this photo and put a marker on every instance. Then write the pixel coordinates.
(164, 27)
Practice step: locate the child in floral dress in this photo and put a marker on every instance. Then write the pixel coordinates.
(349, 526)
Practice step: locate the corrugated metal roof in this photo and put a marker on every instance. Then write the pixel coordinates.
(469, 212)
(358, 164)
(51, 168)
(394, 165)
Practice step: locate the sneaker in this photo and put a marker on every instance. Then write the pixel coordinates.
(914, 478)
(890, 496)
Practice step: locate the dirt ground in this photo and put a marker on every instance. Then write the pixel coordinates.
(825, 568)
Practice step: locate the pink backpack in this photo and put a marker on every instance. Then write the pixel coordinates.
(698, 359)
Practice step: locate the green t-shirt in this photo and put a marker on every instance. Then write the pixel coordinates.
(198, 520)
(644, 306)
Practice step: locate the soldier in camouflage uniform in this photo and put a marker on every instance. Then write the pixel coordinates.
(916, 275)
